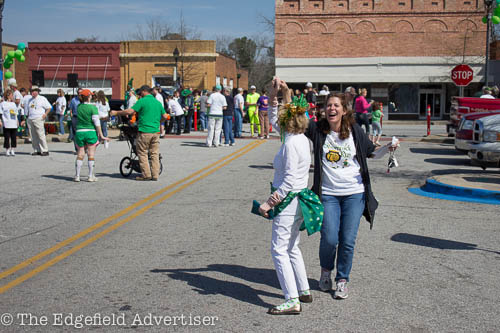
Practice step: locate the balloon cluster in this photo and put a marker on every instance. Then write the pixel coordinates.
(12, 55)
(496, 15)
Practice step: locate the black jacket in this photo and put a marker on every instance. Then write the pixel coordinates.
(229, 111)
(364, 148)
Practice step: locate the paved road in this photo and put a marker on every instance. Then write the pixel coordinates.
(191, 247)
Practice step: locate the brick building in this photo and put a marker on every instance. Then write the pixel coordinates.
(198, 64)
(97, 66)
(402, 51)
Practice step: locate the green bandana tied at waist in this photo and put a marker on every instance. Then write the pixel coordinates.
(312, 208)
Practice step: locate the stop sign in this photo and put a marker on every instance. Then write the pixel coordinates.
(462, 75)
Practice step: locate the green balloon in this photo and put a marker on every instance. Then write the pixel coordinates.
(11, 54)
(21, 46)
(7, 65)
(484, 19)
(498, 2)
(24, 51)
(22, 58)
(496, 12)
(19, 54)
(495, 19)
(8, 75)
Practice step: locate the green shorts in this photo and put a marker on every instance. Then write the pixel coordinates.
(86, 138)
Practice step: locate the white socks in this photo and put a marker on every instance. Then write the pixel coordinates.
(91, 168)
(78, 166)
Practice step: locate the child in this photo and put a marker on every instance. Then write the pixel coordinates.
(376, 126)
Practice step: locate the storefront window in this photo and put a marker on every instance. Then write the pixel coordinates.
(403, 98)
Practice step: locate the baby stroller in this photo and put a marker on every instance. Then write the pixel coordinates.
(131, 163)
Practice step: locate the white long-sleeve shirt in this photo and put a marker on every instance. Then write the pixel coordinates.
(292, 162)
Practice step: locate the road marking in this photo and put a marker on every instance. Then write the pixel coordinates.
(121, 213)
(141, 211)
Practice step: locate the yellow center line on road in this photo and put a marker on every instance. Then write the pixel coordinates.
(121, 213)
(115, 226)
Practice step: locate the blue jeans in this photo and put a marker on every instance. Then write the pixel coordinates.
(104, 127)
(339, 232)
(238, 123)
(203, 120)
(228, 129)
(60, 117)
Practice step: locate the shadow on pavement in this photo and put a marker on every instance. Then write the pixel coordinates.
(71, 152)
(436, 151)
(114, 175)
(269, 166)
(65, 178)
(193, 144)
(436, 243)
(239, 291)
(449, 161)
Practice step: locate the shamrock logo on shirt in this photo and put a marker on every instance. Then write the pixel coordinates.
(333, 156)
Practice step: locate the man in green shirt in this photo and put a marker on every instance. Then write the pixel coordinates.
(150, 112)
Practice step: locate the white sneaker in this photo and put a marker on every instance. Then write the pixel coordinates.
(92, 179)
(325, 281)
(232, 144)
(267, 136)
(76, 179)
(12, 152)
(7, 152)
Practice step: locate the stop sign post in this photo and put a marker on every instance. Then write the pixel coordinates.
(462, 75)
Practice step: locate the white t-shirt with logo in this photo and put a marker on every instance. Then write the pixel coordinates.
(175, 107)
(61, 105)
(103, 109)
(9, 114)
(38, 106)
(217, 102)
(341, 170)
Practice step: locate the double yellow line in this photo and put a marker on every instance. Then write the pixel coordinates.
(160, 195)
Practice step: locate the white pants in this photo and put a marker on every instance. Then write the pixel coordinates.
(286, 254)
(37, 130)
(214, 130)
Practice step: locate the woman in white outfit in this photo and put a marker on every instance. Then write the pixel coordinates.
(292, 201)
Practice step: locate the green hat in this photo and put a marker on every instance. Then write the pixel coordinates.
(186, 92)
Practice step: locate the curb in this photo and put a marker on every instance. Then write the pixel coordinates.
(437, 190)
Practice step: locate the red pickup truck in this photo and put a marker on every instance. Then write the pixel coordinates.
(465, 105)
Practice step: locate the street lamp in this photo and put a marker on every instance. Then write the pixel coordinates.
(487, 5)
(2, 3)
(176, 57)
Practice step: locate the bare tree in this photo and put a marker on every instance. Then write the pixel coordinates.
(91, 39)
(222, 44)
(154, 29)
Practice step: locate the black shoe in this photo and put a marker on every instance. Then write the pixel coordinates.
(306, 298)
(36, 153)
(45, 153)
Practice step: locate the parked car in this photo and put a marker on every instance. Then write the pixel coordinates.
(463, 135)
(485, 149)
(461, 106)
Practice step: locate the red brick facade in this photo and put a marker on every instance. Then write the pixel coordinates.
(374, 28)
(227, 71)
(97, 65)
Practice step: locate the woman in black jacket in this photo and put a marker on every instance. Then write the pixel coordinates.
(342, 181)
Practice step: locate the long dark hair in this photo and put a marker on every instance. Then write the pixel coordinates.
(347, 118)
(101, 97)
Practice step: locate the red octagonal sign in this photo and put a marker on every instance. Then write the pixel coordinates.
(462, 75)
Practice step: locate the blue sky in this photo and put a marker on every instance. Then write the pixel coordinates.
(64, 20)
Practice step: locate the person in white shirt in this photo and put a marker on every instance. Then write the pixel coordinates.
(324, 91)
(103, 109)
(292, 201)
(60, 105)
(217, 103)
(177, 112)
(25, 109)
(9, 122)
(158, 96)
(132, 99)
(38, 110)
(239, 106)
(487, 93)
